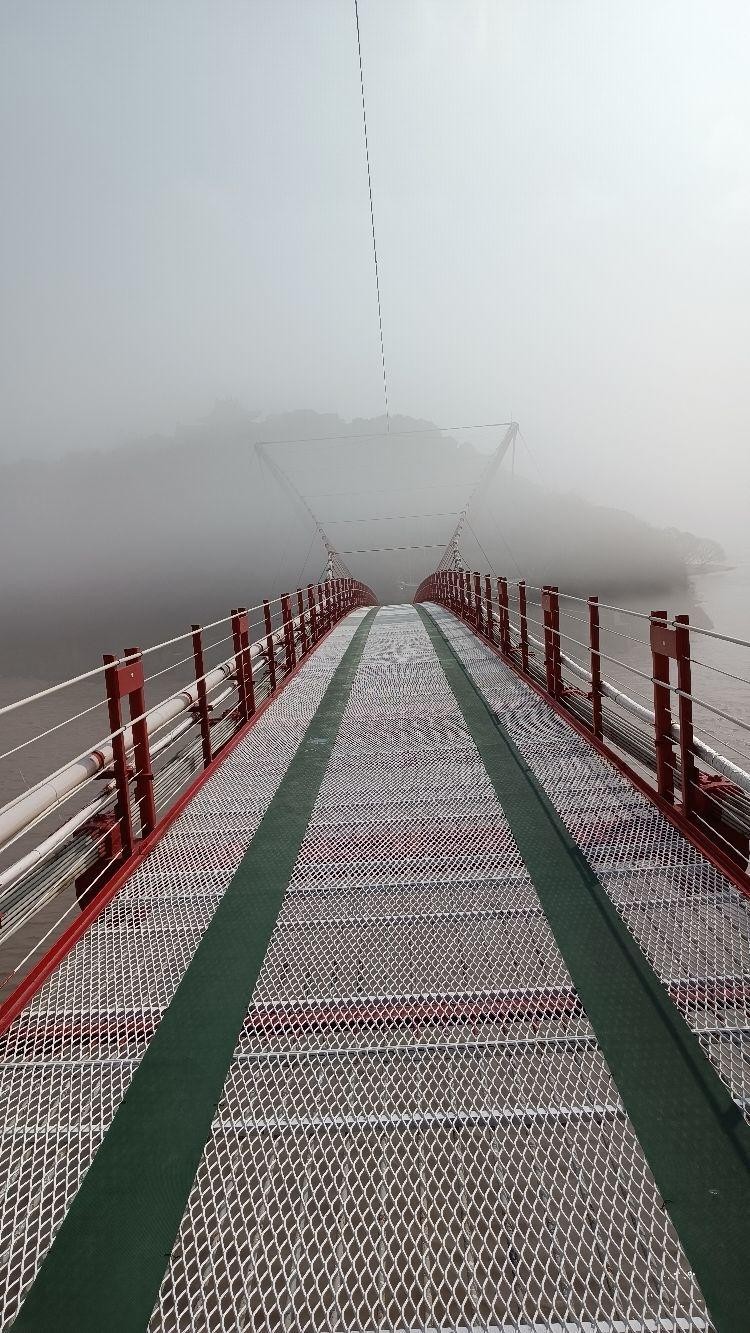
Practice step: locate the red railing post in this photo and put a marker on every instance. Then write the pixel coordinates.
(322, 609)
(270, 650)
(467, 596)
(478, 602)
(549, 651)
(202, 703)
(596, 668)
(302, 626)
(524, 626)
(688, 771)
(311, 614)
(663, 646)
(132, 683)
(502, 608)
(247, 659)
(239, 655)
(554, 607)
(119, 759)
(286, 617)
(488, 608)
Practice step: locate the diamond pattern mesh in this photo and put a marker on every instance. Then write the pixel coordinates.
(418, 1129)
(691, 923)
(69, 1057)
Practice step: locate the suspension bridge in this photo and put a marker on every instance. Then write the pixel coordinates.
(381, 968)
(402, 979)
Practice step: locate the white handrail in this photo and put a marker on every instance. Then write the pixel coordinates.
(127, 657)
(705, 752)
(25, 809)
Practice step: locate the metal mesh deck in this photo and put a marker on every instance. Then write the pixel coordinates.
(691, 923)
(418, 1129)
(69, 1057)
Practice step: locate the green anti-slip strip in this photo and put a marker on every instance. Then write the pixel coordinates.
(104, 1269)
(693, 1134)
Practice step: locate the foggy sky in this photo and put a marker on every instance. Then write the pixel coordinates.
(562, 202)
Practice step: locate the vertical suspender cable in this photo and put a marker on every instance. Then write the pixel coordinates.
(372, 219)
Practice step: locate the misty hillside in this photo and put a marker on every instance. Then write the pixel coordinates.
(139, 541)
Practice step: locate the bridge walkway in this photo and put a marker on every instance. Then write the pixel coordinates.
(391, 1031)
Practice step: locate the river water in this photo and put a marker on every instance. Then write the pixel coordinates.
(717, 601)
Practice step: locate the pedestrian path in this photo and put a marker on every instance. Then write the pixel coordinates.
(392, 1030)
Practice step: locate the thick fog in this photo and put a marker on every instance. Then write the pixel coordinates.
(562, 200)
(140, 541)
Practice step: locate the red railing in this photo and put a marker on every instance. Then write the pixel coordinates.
(148, 763)
(701, 788)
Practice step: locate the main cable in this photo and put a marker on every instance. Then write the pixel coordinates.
(479, 544)
(372, 219)
(380, 435)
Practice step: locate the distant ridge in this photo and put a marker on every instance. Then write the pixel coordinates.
(166, 530)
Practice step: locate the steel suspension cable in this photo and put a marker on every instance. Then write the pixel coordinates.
(490, 565)
(372, 218)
